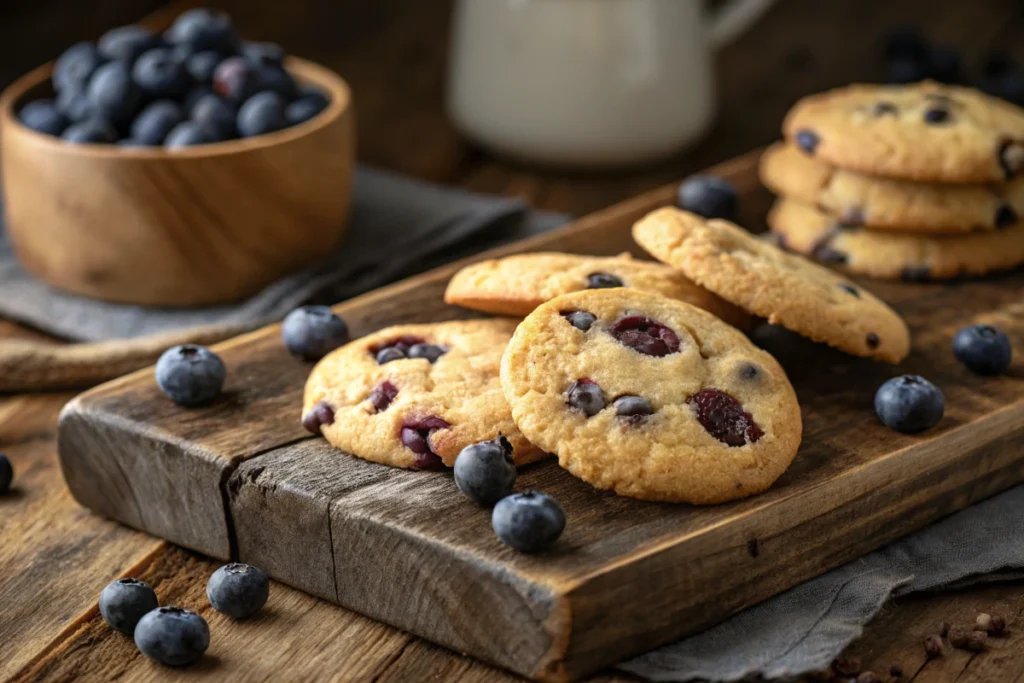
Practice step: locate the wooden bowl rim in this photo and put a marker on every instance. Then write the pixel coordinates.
(335, 85)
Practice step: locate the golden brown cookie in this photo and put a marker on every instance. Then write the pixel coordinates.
(786, 289)
(654, 399)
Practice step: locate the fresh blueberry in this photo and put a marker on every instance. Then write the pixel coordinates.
(113, 94)
(172, 636)
(190, 375)
(303, 109)
(238, 590)
(75, 66)
(386, 355)
(236, 79)
(909, 404)
(708, 196)
(429, 351)
(201, 65)
(485, 471)
(93, 131)
(189, 134)
(126, 43)
(263, 54)
(159, 74)
(124, 602)
(311, 332)
(214, 113)
(154, 122)
(984, 349)
(6, 474)
(276, 79)
(581, 320)
(262, 113)
(308, 92)
(194, 95)
(204, 29)
(73, 103)
(585, 396)
(529, 521)
(42, 116)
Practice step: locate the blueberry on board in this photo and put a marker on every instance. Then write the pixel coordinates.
(212, 112)
(113, 94)
(204, 29)
(311, 332)
(172, 636)
(238, 590)
(909, 404)
(154, 122)
(262, 113)
(263, 54)
(304, 108)
(190, 134)
(485, 471)
(201, 65)
(124, 602)
(708, 196)
(276, 79)
(529, 521)
(236, 79)
(126, 43)
(159, 75)
(190, 375)
(73, 103)
(75, 65)
(984, 349)
(91, 131)
(6, 474)
(43, 116)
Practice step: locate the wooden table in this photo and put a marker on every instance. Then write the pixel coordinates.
(55, 557)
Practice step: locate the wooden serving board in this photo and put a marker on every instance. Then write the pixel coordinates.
(241, 479)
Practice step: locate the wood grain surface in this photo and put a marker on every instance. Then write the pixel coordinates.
(239, 479)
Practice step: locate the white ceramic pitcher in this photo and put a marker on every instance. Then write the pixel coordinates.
(588, 83)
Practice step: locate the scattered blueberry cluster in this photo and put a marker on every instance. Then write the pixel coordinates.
(910, 57)
(175, 636)
(198, 83)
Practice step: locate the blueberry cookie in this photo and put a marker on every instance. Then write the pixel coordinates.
(893, 255)
(786, 289)
(654, 398)
(415, 395)
(873, 201)
(925, 132)
(515, 285)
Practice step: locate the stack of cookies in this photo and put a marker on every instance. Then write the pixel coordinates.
(912, 182)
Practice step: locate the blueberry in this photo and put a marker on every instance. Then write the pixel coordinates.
(262, 113)
(585, 396)
(906, 71)
(263, 54)
(75, 66)
(708, 196)
(194, 95)
(389, 354)
(113, 94)
(126, 43)
(154, 122)
(201, 65)
(238, 590)
(303, 109)
(311, 332)
(485, 471)
(909, 404)
(236, 79)
(190, 375)
(172, 636)
(132, 142)
(214, 113)
(645, 336)
(984, 349)
(603, 281)
(581, 320)
(124, 602)
(42, 116)
(308, 92)
(73, 103)
(529, 521)
(159, 74)
(632, 406)
(188, 134)
(276, 79)
(6, 474)
(429, 351)
(204, 29)
(94, 131)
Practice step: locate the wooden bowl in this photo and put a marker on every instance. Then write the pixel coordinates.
(203, 225)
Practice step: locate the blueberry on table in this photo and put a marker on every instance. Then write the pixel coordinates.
(311, 332)
(262, 113)
(212, 112)
(238, 590)
(75, 66)
(201, 65)
(189, 134)
(126, 43)
(984, 349)
(91, 131)
(43, 116)
(263, 54)
(158, 74)
(154, 122)
(485, 471)
(708, 196)
(6, 474)
(113, 94)
(73, 103)
(204, 29)
(172, 636)
(236, 79)
(303, 109)
(190, 375)
(909, 404)
(124, 602)
(529, 521)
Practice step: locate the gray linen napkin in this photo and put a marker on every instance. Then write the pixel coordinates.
(399, 226)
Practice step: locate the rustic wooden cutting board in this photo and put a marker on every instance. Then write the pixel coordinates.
(241, 479)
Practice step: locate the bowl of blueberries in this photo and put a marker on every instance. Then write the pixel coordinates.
(181, 168)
